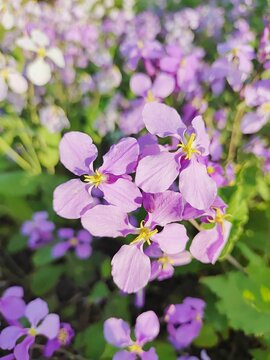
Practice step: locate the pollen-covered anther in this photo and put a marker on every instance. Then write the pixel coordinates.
(165, 261)
(32, 331)
(135, 348)
(188, 148)
(150, 97)
(63, 336)
(41, 52)
(145, 234)
(219, 218)
(95, 179)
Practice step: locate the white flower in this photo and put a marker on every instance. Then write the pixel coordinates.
(39, 71)
(6, 16)
(10, 78)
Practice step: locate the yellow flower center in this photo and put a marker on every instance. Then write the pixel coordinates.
(135, 349)
(219, 218)
(73, 241)
(140, 44)
(210, 170)
(266, 107)
(144, 234)
(32, 332)
(41, 52)
(150, 97)
(188, 148)
(165, 260)
(95, 179)
(63, 336)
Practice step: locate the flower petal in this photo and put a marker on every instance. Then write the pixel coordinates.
(60, 249)
(83, 251)
(9, 336)
(50, 326)
(124, 355)
(172, 239)
(161, 120)
(121, 158)
(17, 83)
(149, 355)
(163, 86)
(163, 208)
(77, 152)
(117, 332)
(12, 307)
(56, 56)
(131, 269)
(156, 173)
(140, 83)
(105, 220)
(196, 186)
(208, 244)
(36, 310)
(123, 193)
(39, 72)
(71, 199)
(146, 327)
(13, 291)
(21, 351)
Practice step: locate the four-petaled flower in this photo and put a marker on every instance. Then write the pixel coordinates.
(117, 333)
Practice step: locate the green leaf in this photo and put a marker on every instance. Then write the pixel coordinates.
(16, 243)
(207, 337)
(237, 295)
(18, 183)
(45, 278)
(92, 341)
(117, 307)
(43, 256)
(99, 292)
(165, 350)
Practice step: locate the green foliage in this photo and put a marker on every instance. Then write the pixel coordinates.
(91, 341)
(238, 198)
(45, 278)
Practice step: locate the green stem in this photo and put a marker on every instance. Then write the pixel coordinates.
(236, 132)
(13, 155)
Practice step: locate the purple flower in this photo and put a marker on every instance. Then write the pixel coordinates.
(207, 245)
(184, 321)
(156, 173)
(77, 154)
(256, 95)
(80, 243)
(141, 85)
(39, 230)
(163, 266)
(131, 267)
(117, 333)
(12, 305)
(41, 323)
(64, 337)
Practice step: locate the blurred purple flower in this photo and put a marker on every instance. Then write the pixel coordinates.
(80, 243)
(184, 321)
(41, 323)
(12, 305)
(64, 338)
(39, 230)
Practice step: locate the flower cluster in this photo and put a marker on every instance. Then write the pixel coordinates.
(105, 196)
(26, 322)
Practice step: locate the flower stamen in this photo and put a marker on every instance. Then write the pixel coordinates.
(144, 234)
(188, 148)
